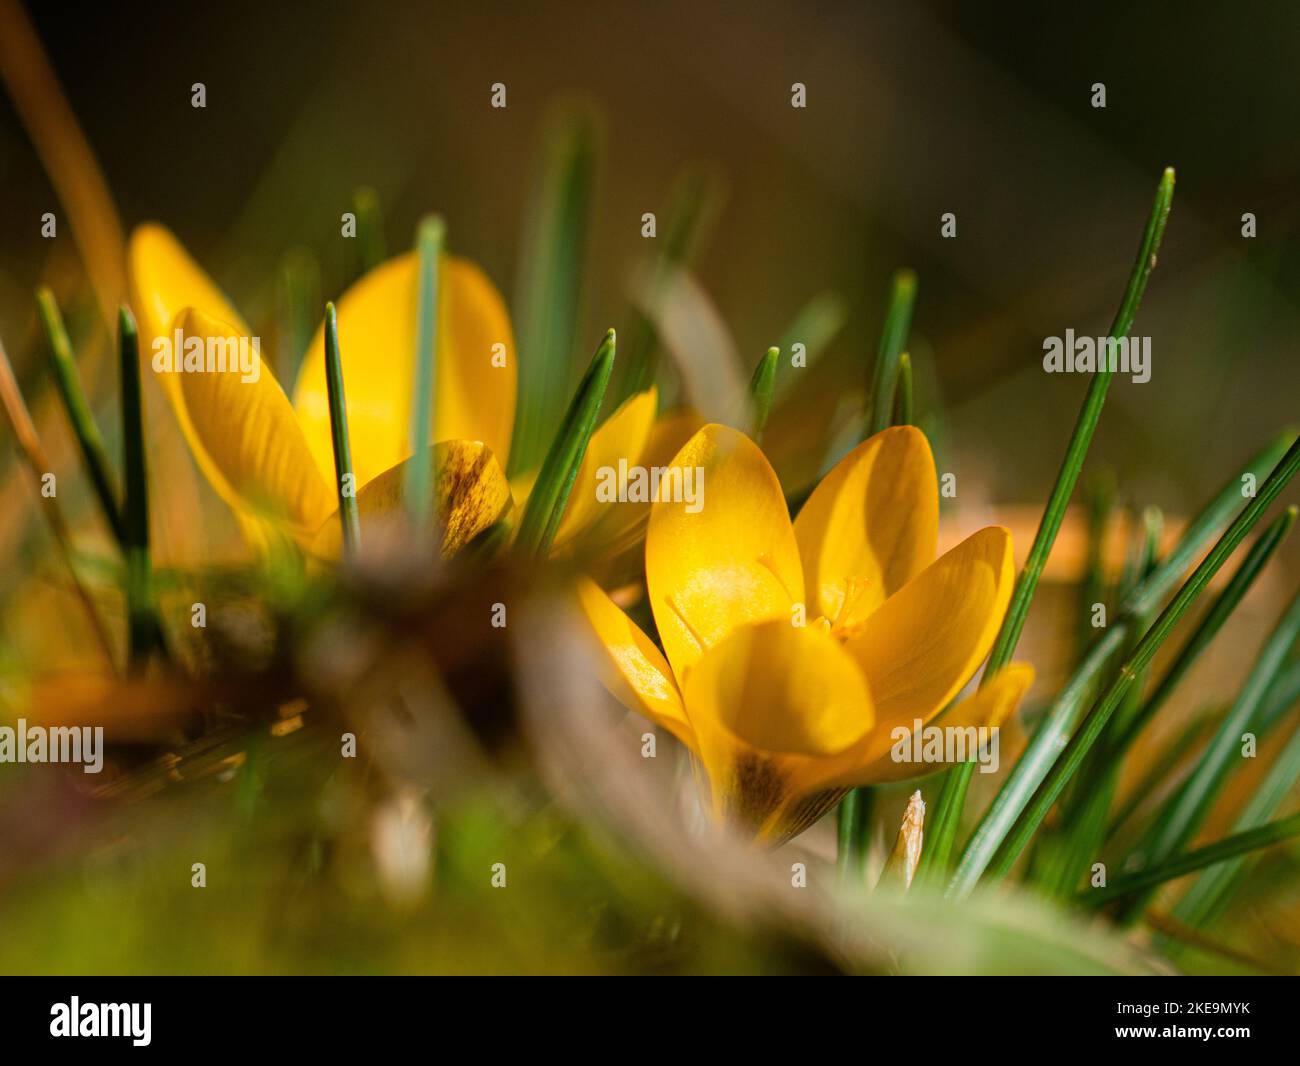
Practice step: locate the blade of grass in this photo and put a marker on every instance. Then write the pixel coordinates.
(349, 518)
(550, 282)
(1224, 604)
(299, 300)
(370, 228)
(38, 464)
(1186, 810)
(815, 325)
(419, 501)
(1169, 927)
(1282, 696)
(1170, 758)
(852, 827)
(1099, 495)
(902, 415)
(893, 338)
(1053, 734)
(1213, 890)
(1229, 847)
(83, 422)
(550, 495)
(760, 391)
(1064, 768)
(1084, 813)
(952, 797)
(144, 630)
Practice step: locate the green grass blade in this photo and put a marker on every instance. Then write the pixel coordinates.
(1064, 768)
(1186, 810)
(84, 427)
(1188, 737)
(144, 631)
(903, 402)
(1230, 847)
(1283, 694)
(370, 228)
(551, 280)
(952, 798)
(1054, 732)
(298, 300)
(893, 338)
(760, 391)
(1084, 428)
(1225, 603)
(419, 500)
(1086, 806)
(815, 325)
(550, 495)
(853, 825)
(343, 473)
(1211, 893)
(1099, 497)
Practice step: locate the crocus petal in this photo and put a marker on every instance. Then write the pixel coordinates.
(622, 436)
(924, 643)
(470, 494)
(246, 437)
(870, 526)
(640, 677)
(725, 560)
(165, 281)
(474, 400)
(986, 708)
(617, 540)
(774, 708)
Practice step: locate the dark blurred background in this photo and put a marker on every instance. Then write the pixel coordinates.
(913, 110)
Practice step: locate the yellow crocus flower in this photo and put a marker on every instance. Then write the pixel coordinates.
(273, 462)
(783, 717)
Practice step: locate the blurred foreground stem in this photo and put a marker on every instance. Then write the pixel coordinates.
(79, 414)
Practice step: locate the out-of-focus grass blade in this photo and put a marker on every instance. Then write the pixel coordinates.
(429, 240)
(144, 630)
(1212, 892)
(1283, 694)
(25, 432)
(815, 325)
(1181, 865)
(550, 495)
(370, 228)
(1064, 768)
(893, 339)
(343, 473)
(298, 299)
(692, 206)
(760, 390)
(1172, 755)
(952, 798)
(903, 402)
(1085, 808)
(79, 414)
(1179, 820)
(547, 301)
(1053, 734)
(1099, 496)
(1225, 603)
